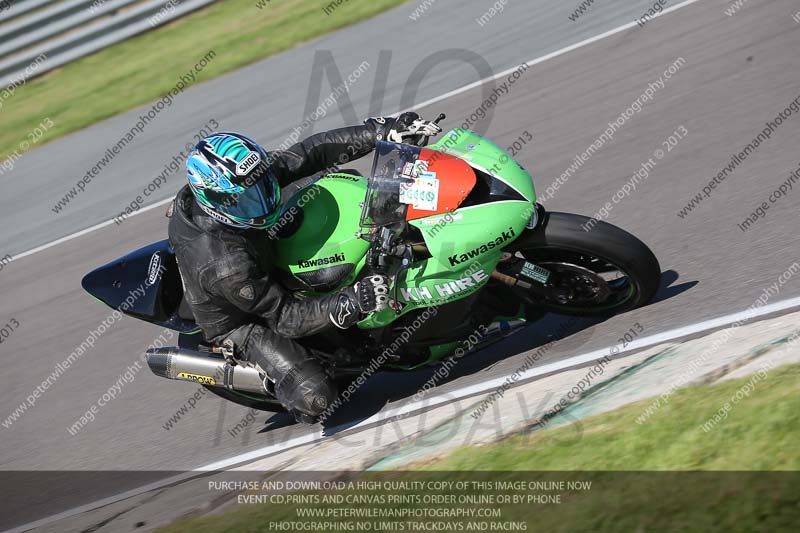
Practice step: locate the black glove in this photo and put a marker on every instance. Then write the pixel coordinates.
(367, 296)
(410, 128)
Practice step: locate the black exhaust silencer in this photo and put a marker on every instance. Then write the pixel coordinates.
(203, 368)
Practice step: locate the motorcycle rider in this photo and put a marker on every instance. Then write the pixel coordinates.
(216, 230)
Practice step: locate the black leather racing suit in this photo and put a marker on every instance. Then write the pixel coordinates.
(229, 287)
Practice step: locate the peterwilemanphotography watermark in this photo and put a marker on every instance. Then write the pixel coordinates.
(145, 119)
(21, 79)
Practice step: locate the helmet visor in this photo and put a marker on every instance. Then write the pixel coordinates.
(255, 206)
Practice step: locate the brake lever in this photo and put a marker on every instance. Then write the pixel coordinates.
(426, 138)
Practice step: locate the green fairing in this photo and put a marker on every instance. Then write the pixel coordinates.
(331, 216)
(465, 245)
(487, 156)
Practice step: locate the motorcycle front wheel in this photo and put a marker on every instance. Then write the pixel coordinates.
(595, 268)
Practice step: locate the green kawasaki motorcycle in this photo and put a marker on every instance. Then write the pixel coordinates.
(471, 255)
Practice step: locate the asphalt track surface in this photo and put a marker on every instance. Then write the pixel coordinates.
(739, 72)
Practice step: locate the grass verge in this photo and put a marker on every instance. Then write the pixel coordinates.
(759, 434)
(146, 67)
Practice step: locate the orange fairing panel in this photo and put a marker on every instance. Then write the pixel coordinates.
(454, 181)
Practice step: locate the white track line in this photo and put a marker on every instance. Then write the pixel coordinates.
(81, 233)
(465, 392)
(549, 56)
(426, 103)
(441, 399)
(528, 375)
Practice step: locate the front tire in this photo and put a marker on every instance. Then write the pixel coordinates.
(598, 271)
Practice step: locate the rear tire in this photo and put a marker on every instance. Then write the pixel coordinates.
(561, 239)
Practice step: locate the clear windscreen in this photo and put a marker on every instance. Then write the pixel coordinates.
(392, 169)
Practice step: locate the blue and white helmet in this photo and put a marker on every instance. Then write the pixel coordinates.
(231, 179)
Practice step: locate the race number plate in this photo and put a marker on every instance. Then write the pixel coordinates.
(422, 194)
